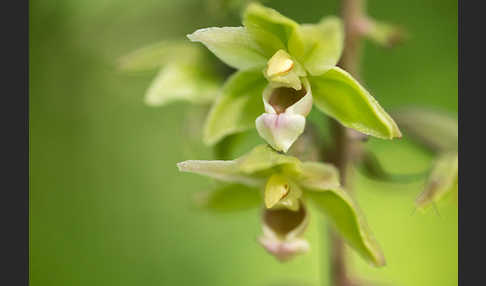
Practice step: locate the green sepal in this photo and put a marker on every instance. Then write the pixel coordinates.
(273, 31)
(442, 181)
(156, 55)
(435, 129)
(233, 45)
(255, 167)
(237, 107)
(343, 213)
(340, 96)
(230, 198)
(183, 82)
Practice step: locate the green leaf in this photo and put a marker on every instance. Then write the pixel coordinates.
(340, 96)
(346, 217)
(442, 180)
(324, 45)
(159, 54)
(273, 31)
(435, 129)
(233, 45)
(230, 198)
(237, 107)
(182, 82)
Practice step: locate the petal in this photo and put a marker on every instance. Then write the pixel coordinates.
(280, 130)
(236, 107)
(284, 250)
(282, 231)
(324, 45)
(302, 106)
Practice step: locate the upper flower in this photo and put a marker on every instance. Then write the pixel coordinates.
(290, 66)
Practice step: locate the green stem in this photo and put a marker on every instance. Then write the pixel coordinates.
(346, 148)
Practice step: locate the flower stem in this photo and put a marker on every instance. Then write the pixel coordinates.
(347, 147)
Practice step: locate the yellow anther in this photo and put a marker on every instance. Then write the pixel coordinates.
(279, 64)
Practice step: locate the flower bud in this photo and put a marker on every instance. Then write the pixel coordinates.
(284, 119)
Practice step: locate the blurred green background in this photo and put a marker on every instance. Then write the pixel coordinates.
(107, 204)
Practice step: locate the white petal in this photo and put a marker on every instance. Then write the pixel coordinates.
(280, 130)
(302, 107)
(284, 250)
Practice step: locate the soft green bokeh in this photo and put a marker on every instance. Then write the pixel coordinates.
(107, 204)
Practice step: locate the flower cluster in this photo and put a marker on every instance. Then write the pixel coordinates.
(283, 70)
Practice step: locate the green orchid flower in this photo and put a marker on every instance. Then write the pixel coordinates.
(183, 73)
(289, 67)
(287, 184)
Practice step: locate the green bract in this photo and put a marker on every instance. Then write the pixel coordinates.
(289, 65)
(286, 184)
(435, 129)
(442, 181)
(184, 74)
(438, 131)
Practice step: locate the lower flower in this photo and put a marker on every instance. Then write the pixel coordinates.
(282, 231)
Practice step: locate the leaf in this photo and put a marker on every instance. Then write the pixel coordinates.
(230, 198)
(339, 95)
(182, 82)
(273, 31)
(346, 217)
(233, 45)
(237, 107)
(324, 45)
(442, 180)
(435, 129)
(159, 54)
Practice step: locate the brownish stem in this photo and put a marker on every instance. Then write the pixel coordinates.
(345, 144)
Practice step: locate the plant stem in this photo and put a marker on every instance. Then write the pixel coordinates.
(346, 146)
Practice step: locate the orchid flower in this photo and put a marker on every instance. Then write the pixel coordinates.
(289, 67)
(287, 185)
